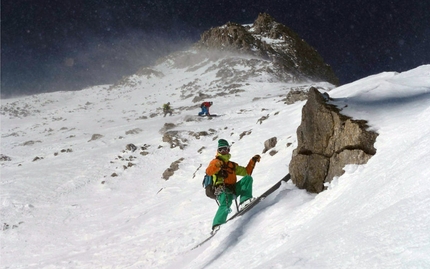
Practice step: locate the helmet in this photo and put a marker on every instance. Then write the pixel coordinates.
(168, 103)
(210, 103)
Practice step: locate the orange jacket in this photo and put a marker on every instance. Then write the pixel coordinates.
(232, 168)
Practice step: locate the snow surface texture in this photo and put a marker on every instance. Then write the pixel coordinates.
(65, 210)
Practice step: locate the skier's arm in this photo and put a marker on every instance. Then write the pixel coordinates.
(251, 164)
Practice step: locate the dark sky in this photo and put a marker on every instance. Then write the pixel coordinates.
(49, 45)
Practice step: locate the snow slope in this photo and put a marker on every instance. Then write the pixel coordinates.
(65, 210)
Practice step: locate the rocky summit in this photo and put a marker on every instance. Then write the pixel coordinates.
(271, 41)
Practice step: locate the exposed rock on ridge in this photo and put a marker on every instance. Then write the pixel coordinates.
(273, 41)
(327, 141)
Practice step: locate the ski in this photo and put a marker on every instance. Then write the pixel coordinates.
(209, 116)
(213, 233)
(247, 208)
(260, 198)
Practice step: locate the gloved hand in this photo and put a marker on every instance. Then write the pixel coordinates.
(223, 173)
(256, 158)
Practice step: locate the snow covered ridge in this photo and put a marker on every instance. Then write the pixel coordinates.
(68, 211)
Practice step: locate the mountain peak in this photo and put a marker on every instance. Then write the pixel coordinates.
(272, 41)
(264, 23)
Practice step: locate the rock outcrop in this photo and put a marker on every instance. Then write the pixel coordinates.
(273, 41)
(270, 143)
(327, 141)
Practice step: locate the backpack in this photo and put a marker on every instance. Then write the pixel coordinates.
(208, 185)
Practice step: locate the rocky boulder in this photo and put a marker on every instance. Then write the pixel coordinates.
(327, 141)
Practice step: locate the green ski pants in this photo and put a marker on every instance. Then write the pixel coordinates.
(243, 190)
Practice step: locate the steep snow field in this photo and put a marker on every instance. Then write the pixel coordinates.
(65, 210)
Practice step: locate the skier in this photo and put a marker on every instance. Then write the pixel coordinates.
(167, 109)
(205, 108)
(226, 185)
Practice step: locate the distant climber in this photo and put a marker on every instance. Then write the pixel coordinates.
(205, 109)
(167, 109)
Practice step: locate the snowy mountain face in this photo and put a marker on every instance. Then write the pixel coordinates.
(68, 175)
(75, 195)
